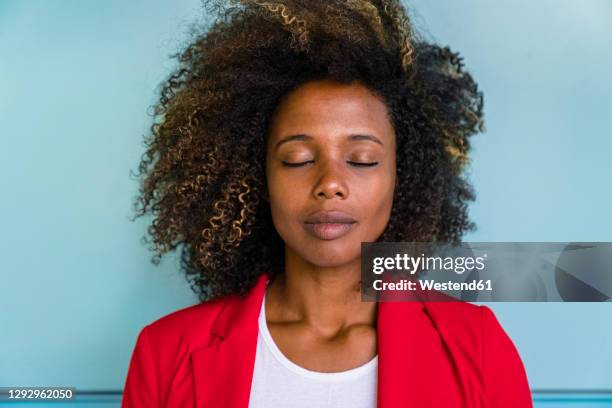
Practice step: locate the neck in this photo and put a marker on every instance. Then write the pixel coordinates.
(327, 299)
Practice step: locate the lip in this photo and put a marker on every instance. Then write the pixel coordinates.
(328, 225)
(333, 217)
(328, 231)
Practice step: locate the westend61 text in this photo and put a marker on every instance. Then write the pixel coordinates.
(429, 284)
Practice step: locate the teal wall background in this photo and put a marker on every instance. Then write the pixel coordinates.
(76, 79)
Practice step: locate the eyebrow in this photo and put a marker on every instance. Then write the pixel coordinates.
(303, 137)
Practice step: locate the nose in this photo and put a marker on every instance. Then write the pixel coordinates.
(331, 182)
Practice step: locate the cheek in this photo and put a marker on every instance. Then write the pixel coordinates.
(377, 202)
(278, 188)
(382, 183)
(381, 204)
(282, 202)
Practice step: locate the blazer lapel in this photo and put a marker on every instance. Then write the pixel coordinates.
(406, 360)
(421, 362)
(413, 364)
(223, 369)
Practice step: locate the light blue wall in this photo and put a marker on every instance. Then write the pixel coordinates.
(76, 79)
(542, 170)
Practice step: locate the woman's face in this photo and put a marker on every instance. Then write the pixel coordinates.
(320, 134)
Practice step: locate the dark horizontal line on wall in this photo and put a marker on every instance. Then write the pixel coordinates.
(570, 391)
(99, 392)
(566, 395)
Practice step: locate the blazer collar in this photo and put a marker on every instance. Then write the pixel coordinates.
(223, 368)
(239, 315)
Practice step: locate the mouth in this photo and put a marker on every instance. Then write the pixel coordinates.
(328, 230)
(328, 225)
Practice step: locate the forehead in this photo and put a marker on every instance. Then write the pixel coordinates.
(327, 108)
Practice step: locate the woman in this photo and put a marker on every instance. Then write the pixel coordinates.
(290, 133)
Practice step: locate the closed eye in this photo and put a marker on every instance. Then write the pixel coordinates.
(352, 163)
(297, 164)
(363, 164)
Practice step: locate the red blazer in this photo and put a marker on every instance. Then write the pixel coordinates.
(430, 354)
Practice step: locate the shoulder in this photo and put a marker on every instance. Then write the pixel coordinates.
(475, 325)
(182, 331)
(186, 329)
(463, 317)
(166, 344)
(479, 322)
(191, 327)
(446, 310)
(162, 351)
(474, 331)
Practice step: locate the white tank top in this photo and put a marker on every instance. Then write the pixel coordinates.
(279, 382)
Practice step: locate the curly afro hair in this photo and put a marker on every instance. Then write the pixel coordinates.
(203, 172)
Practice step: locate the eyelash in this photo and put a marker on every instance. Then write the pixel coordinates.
(356, 164)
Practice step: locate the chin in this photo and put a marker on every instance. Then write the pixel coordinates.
(331, 253)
